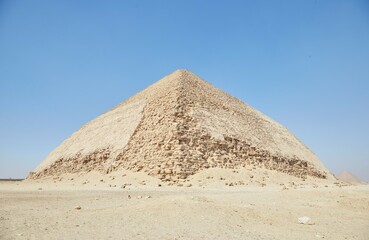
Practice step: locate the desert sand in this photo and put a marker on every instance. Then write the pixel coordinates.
(135, 207)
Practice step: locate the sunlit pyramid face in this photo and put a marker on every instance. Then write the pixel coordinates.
(177, 127)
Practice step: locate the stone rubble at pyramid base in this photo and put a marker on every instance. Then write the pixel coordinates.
(229, 154)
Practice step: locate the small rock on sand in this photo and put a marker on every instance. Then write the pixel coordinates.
(78, 208)
(304, 220)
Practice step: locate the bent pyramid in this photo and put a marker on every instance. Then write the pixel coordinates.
(177, 127)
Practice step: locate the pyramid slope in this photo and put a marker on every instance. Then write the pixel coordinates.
(348, 177)
(103, 138)
(175, 128)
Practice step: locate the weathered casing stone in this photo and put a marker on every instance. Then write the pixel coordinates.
(177, 127)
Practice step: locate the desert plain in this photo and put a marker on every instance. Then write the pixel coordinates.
(214, 204)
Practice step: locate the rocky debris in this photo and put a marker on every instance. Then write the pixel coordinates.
(125, 185)
(78, 208)
(76, 164)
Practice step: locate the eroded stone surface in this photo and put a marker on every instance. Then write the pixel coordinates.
(185, 125)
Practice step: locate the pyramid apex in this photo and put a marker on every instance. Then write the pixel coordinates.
(185, 76)
(182, 71)
(182, 76)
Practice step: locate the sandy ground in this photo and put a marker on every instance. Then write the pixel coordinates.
(35, 210)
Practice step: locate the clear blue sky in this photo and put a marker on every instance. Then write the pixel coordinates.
(303, 63)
